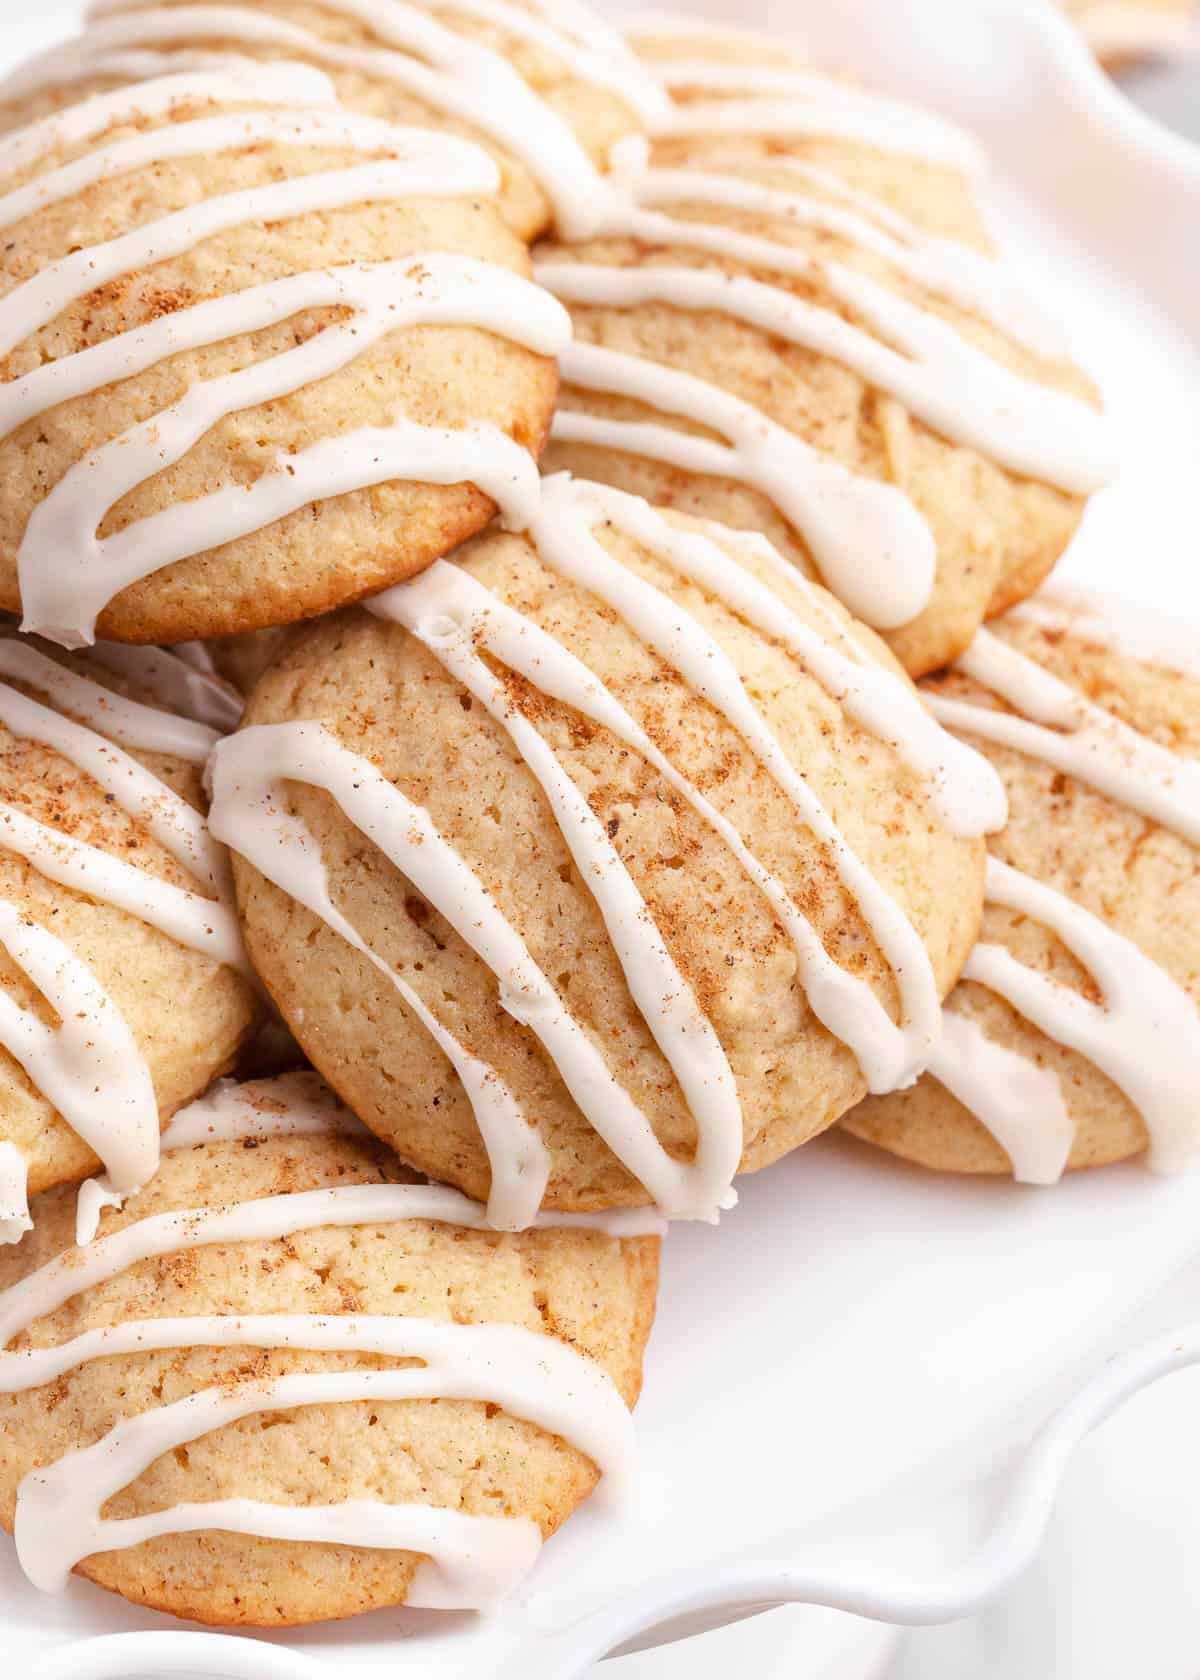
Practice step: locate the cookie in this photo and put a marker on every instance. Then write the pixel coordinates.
(1120, 32)
(602, 863)
(217, 1408)
(546, 86)
(1074, 1038)
(792, 321)
(260, 356)
(124, 987)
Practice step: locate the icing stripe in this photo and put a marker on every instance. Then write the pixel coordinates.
(453, 74)
(472, 1563)
(267, 1219)
(1145, 1036)
(870, 543)
(200, 924)
(945, 267)
(37, 301)
(1125, 627)
(14, 1195)
(564, 536)
(1053, 723)
(793, 102)
(953, 387)
(89, 1066)
(664, 998)
(247, 770)
(177, 684)
(177, 827)
(290, 1105)
(575, 35)
(248, 816)
(205, 137)
(1021, 1104)
(143, 728)
(234, 81)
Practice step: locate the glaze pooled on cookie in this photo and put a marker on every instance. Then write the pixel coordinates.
(337, 1329)
(261, 355)
(769, 333)
(1075, 1037)
(643, 898)
(111, 887)
(548, 87)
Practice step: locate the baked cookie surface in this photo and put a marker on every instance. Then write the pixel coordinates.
(123, 984)
(1074, 1038)
(259, 356)
(605, 862)
(289, 1383)
(794, 323)
(546, 87)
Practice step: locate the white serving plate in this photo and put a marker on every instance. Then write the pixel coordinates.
(840, 1372)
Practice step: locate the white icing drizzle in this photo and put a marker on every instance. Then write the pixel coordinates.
(868, 540)
(1145, 1033)
(14, 1195)
(1051, 722)
(457, 620)
(793, 102)
(1021, 1104)
(200, 924)
(890, 1056)
(1144, 1036)
(945, 267)
(144, 728)
(248, 816)
(176, 825)
(247, 813)
(574, 34)
(296, 1104)
(89, 1066)
(872, 546)
(68, 573)
(948, 383)
(176, 682)
(233, 81)
(455, 75)
(664, 998)
(1126, 627)
(472, 1562)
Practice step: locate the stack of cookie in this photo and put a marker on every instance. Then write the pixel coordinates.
(607, 850)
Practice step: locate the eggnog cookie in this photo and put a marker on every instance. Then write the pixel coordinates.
(792, 321)
(290, 1382)
(1074, 1038)
(604, 862)
(123, 984)
(547, 86)
(260, 356)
